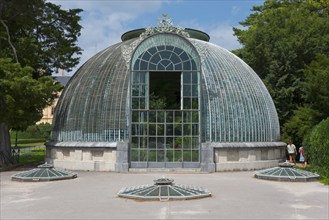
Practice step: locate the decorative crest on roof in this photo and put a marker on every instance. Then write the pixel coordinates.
(165, 24)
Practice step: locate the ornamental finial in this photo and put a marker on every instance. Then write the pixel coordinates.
(165, 21)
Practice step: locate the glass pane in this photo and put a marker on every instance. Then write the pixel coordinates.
(143, 142)
(169, 142)
(195, 104)
(178, 129)
(142, 89)
(178, 156)
(135, 116)
(135, 103)
(178, 143)
(161, 156)
(169, 129)
(146, 56)
(169, 155)
(169, 117)
(178, 117)
(187, 103)
(195, 143)
(195, 156)
(160, 143)
(187, 77)
(135, 90)
(187, 129)
(142, 103)
(152, 142)
(143, 65)
(161, 116)
(143, 155)
(187, 117)
(134, 142)
(160, 129)
(187, 65)
(195, 90)
(152, 116)
(134, 129)
(195, 129)
(152, 155)
(187, 156)
(194, 77)
(152, 129)
(187, 90)
(134, 155)
(187, 143)
(195, 116)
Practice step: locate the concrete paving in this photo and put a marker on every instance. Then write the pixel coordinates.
(93, 195)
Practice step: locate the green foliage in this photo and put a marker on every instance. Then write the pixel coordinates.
(157, 102)
(317, 148)
(43, 35)
(33, 133)
(299, 125)
(279, 39)
(22, 98)
(316, 86)
(33, 157)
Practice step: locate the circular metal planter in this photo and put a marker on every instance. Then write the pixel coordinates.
(44, 172)
(164, 189)
(285, 172)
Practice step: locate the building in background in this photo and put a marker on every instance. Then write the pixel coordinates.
(48, 112)
(165, 98)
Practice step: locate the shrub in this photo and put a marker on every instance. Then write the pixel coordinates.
(317, 147)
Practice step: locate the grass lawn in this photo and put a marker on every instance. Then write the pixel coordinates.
(33, 157)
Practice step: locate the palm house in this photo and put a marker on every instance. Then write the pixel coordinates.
(165, 98)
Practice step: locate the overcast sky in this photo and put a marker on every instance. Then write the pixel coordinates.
(104, 21)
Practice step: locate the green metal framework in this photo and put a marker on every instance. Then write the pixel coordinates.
(165, 135)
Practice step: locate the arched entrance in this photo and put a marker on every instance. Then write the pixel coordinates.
(165, 104)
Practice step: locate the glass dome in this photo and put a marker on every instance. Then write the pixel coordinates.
(235, 105)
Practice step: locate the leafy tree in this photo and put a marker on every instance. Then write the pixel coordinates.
(280, 38)
(316, 147)
(40, 38)
(22, 99)
(42, 34)
(299, 125)
(316, 86)
(316, 105)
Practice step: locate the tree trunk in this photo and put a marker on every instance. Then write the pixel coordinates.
(5, 148)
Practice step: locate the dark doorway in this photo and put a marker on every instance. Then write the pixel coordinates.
(165, 90)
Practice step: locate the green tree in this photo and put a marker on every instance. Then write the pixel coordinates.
(280, 38)
(316, 147)
(316, 106)
(22, 99)
(40, 38)
(41, 34)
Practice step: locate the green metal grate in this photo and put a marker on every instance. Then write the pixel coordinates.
(164, 190)
(44, 172)
(285, 173)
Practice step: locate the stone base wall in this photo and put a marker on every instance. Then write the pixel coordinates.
(86, 158)
(248, 158)
(82, 159)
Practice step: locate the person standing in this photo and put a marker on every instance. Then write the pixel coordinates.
(292, 152)
(302, 158)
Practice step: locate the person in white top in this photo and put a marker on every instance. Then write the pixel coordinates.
(292, 152)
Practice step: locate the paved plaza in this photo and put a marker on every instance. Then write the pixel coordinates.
(93, 195)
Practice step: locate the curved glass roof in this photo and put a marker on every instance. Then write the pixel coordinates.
(45, 172)
(236, 106)
(286, 174)
(164, 189)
